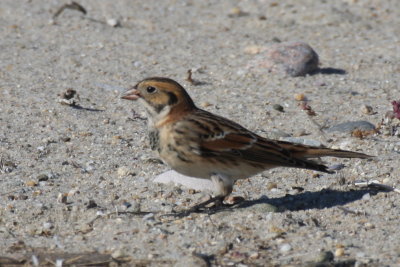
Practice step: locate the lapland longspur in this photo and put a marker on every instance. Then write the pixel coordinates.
(200, 144)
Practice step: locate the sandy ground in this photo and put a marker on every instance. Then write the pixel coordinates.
(98, 154)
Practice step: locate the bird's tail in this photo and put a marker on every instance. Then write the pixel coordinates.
(303, 151)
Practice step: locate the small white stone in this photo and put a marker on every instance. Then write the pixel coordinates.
(47, 225)
(366, 196)
(35, 260)
(113, 22)
(148, 217)
(117, 254)
(123, 171)
(59, 262)
(137, 64)
(100, 213)
(360, 255)
(72, 192)
(285, 248)
(62, 198)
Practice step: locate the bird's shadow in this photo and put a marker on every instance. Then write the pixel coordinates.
(326, 198)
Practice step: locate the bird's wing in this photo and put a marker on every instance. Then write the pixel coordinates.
(215, 136)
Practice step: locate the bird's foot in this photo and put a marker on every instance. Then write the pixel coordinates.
(211, 203)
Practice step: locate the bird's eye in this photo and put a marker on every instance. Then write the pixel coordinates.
(150, 89)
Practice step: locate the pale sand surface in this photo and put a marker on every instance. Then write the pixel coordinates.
(96, 153)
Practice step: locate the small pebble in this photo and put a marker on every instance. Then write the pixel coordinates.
(47, 226)
(254, 255)
(367, 109)
(271, 186)
(348, 127)
(369, 226)
(22, 197)
(31, 183)
(62, 198)
(65, 139)
(292, 58)
(59, 262)
(252, 49)
(285, 248)
(232, 200)
(366, 196)
(148, 217)
(123, 171)
(192, 191)
(117, 254)
(137, 64)
(205, 104)
(35, 260)
(236, 12)
(100, 213)
(300, 97)
(126, 204)
(116, 139)
(42, 177)
(360, 254)
(73, 192)
(92, 204)
(278, 107)
(113, 22)
(37, 193)
(325, 256)
(337, 167)
(339, 252)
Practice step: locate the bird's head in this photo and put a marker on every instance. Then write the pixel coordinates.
(160, 97)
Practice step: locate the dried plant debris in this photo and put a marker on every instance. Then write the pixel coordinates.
(113, 22)
(396, 109)
(237, 12)
(41, 257)
(362, 134)
(73, 5)
(307, 108)
(390, 124)
(366, 109)
(136, 116)
(70, 97)
(350, 126)
(189, 77)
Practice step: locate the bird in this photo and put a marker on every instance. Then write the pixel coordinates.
(198, 143)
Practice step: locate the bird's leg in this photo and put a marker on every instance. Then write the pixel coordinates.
(223, 186)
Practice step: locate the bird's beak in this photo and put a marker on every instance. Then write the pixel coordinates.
(131, 94)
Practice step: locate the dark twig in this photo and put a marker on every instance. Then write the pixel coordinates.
(73, 5)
